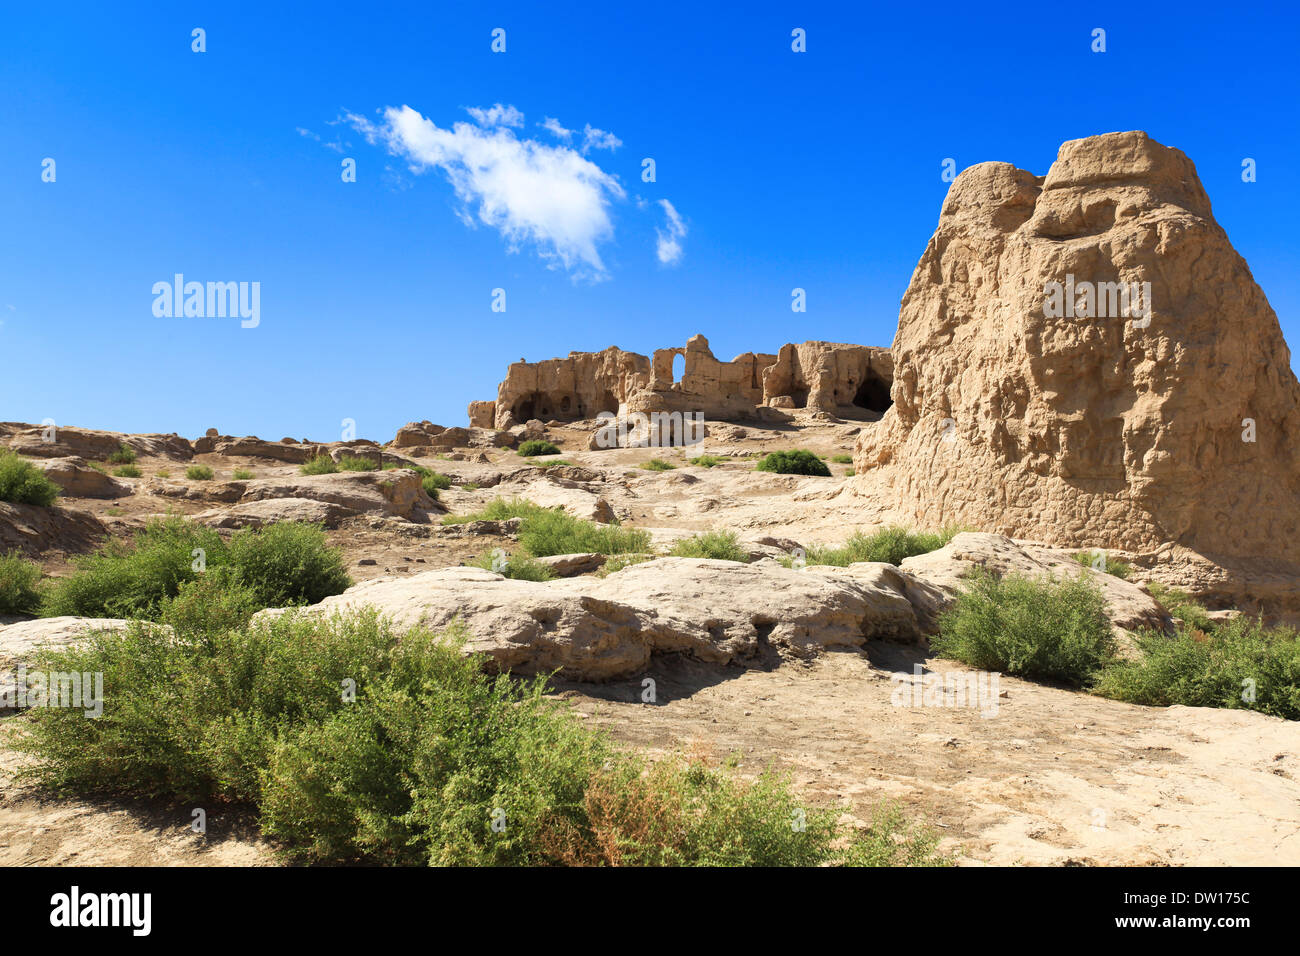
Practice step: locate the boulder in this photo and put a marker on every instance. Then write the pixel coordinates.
(257, 514)
(568, 565)
(398, 493)
(254, 447)
(79, 480)
(596, 629)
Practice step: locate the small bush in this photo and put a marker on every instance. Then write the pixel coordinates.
(537, 446)
(1088, 559)
(1053, 629)
(434, 480)
(19, 584)
(499, 509)
(354, 463)
(164, 473)
(518, 565)
(127, 471)
(1181, 605)
(288, 563)
(890, 544)
(550, 531)
(618, 562)
(320, 465)
(199, 473)
(557, 463)
(125, 455)
(1240, 665)
(719, 545)
(706, 461)
(241, 474)
(841, 459)
(657, 464)
(23, 483)
(794, 463)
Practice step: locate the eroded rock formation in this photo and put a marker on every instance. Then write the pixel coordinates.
(840, 379)
(1083, 358)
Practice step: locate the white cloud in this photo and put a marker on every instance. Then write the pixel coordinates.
(552, 126)
(598, 139)
(669, 247)
(498, 115)
(550, 196)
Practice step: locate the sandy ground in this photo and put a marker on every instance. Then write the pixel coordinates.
(1055, 777)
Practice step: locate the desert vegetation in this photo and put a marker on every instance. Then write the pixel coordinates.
(431, 761)
(19, 584)
(798, 462)
(537, 446)
(279, 565)
(719, 545)
(890, 544)
(23, 483)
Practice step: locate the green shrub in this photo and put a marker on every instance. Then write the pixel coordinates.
(288, 563)
(657, 464)
(281, 564)
(890, 544)
(550, 531)
(849, 473)
(199, 473)
(354, 463)
(418, 766)
(23, 483)
(1048, 628)
(164, 473)
(127, 471)
(435, 481)
(1181, 605)
(518, 565)
(794, 463)
(706, 461)
(618, 562)
(537, 446)
(241, 474)
(125, 455)
(841, 459)
(320, 465)
(1240, 659)
(1089, 559)
(499, 509)
(719, 545)
(19, 584)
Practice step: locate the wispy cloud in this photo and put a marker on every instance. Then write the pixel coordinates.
(551, 197)
(669, 246)
(308, 134)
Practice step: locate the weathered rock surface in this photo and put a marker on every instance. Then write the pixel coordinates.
(597, 629)
(33, 530)
(79, 480)
(398, 492)
(568, 565)
(254, 447)
(91, 444)
(1091, 430)
(257, 514)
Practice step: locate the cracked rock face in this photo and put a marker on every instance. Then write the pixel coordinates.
(1091, 429)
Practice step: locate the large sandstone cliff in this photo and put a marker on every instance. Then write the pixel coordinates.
(1173, 427)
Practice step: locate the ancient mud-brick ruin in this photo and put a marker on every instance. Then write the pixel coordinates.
(848, 381)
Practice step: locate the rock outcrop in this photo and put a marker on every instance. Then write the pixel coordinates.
(33, 530)
(839, 379)
(1083, 359)
(78, 480)
(42, 441)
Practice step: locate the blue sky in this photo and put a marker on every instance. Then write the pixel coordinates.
(818, 170)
